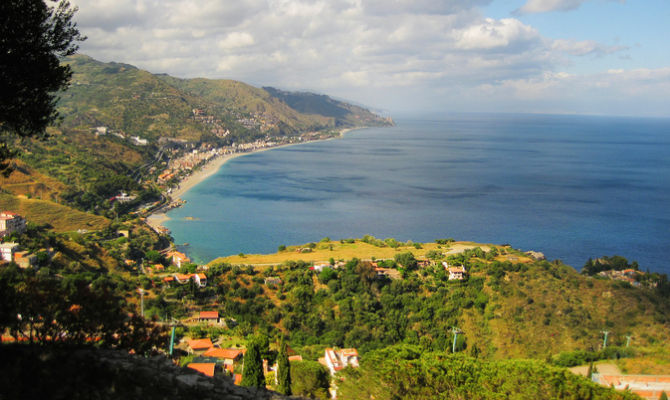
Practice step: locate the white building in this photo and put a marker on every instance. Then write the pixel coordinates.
(7, 251)
(339, 359)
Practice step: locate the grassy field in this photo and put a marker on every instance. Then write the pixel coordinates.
(59, 217)
(327, 249)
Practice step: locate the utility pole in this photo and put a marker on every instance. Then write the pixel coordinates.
(456, 332)
(605, 340)
(142, 302)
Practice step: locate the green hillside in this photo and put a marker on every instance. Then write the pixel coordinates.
(121, 125)
(344, 114)
(510, 305)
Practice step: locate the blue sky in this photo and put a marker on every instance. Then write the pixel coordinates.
(406, 56)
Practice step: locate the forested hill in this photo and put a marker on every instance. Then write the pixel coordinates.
(509, 306)
(122, 126)
(137, 102)
(310, 103)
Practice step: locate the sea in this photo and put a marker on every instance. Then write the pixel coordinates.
(571, 187)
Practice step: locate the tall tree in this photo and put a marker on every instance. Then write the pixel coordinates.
(283, 370)
(252, 375)
(33, 35)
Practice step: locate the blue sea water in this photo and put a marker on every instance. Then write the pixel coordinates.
(572, 187)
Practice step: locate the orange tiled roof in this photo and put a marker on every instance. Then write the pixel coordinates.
(229, 354)
(203, 368)
(209, 315)
(202, 276)
(200, 344)
(183, 277)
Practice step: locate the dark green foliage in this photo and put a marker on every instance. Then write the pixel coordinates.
(404, 372)
(33, 37)
(580, 357)
(284, 370)
(252, 374)
(606, 263)
(663, 396)
(80, 309)
(407, 260)
(310, 379)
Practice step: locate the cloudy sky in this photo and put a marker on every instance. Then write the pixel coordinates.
(607, 57)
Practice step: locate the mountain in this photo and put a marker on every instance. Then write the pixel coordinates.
(137, 102)
(121, 125)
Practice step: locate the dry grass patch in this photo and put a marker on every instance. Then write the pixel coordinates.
(325, 250)
(59, 217)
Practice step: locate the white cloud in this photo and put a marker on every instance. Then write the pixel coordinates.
(235, 40)
(490, 34)
(585, 47)
(390, 54)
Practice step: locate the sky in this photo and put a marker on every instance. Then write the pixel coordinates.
(602, 57)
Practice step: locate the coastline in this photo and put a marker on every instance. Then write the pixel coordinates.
(156, 219)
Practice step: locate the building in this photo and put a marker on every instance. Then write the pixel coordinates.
(182, 278)
(24, 259)
(646, 386)
(230, 357)
(209, 316)
(337, 360)
(197, 345)
(178, 258)
(203, 368)
(455, 273)
(7, 251)
(320, 267)
(200, 280)
(11, 223)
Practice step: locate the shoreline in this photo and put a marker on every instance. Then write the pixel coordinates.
(156, 219)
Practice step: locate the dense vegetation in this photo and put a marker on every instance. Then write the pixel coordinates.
(407, 372)
(531, 309)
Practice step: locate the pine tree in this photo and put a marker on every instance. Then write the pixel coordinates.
(283, 370)
(663, 396)
(252, 375)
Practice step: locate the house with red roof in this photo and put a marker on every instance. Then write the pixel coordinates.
(198, 345)
(183, 278)
(455, 273)
(229, 356)
(209, 317)
(178, 258)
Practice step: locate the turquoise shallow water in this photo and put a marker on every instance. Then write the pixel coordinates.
(572, 187)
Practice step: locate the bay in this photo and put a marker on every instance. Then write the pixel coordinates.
(572, 187)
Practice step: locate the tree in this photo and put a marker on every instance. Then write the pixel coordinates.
(310, 379)
(664, 396)
(252, 375)
(283, 370)
(407, 260)
(32, 38)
